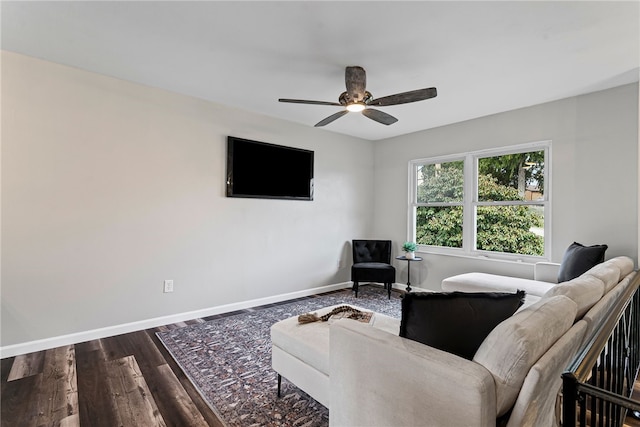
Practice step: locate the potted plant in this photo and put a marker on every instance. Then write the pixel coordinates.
(410, 249)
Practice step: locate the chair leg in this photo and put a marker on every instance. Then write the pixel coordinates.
(389, 289)
(355, 288)
(279, 383)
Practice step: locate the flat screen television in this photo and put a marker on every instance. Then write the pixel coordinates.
(268, 171)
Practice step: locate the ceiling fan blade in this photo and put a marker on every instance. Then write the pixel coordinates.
(304, 101)
(405, 97)
(379, 116)
(331, 118)
(355, 79)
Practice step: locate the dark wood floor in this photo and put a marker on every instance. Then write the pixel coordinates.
(127, 380)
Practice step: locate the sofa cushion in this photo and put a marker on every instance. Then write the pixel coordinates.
(578, 259)
(609, 274)
(486, 282)
(455, 322)
(517, 343)
(624, 263)
(536, 401)
(612, 271)
(585, 291)
(602, 309)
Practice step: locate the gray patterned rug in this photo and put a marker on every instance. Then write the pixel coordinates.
(228, 359)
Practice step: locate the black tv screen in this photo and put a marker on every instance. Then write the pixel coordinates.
(268, 171)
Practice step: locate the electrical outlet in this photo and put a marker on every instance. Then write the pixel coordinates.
(168, 286)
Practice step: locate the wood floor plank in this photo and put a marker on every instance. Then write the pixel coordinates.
(140, 345)
(58, 387)
(70, 421)
(175, 403)
(18, 397)
(112, 348)
(94, 400)
(26, 365)
(5, 368)
(130, 393)
(199, 402)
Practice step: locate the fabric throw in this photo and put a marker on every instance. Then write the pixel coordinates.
(228, 359)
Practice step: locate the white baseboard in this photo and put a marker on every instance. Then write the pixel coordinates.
(53, 342)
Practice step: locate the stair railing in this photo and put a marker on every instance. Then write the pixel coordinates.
(598, 384)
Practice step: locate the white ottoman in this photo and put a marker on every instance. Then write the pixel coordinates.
(300, 352)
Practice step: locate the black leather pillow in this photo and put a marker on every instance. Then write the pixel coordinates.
(456, 322)
(578, 259)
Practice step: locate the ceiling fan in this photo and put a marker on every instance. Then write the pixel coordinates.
(358, 99)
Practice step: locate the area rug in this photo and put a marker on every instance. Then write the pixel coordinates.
(228, 359)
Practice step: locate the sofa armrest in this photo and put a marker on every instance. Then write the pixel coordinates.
(381, 379)
(546, 271)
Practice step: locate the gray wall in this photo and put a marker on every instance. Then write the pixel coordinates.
(108, 188)
(594, 175)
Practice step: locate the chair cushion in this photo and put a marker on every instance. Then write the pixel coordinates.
(516, 344)
(578, 259)
(455, 322)
(373, 266)
(374, 272)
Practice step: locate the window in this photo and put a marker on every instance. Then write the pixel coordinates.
(492, 203)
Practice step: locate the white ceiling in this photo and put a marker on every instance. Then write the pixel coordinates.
(483, 57)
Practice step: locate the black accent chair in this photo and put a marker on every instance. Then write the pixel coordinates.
(372, 263)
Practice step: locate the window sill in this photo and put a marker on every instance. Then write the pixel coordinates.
(496, 259)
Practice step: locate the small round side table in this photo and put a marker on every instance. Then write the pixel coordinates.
(404, 258)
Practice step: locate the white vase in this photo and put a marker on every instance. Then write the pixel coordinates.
(410, 255)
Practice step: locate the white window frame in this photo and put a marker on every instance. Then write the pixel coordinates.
(470, 202)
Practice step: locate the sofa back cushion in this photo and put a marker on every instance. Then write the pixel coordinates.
(585, 291)
(455, 322)
(602, 309)
(612, 271)
(536, 401)
(624, 263)
(609, 274)
(516, 344)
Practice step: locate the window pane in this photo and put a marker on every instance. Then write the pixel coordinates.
(511, 229)
(511, 177)
(439, 226)
(440, 182)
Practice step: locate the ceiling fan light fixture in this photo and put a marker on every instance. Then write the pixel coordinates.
(356, 107)
(359, 100)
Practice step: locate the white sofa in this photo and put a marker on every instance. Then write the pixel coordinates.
(377, 378)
